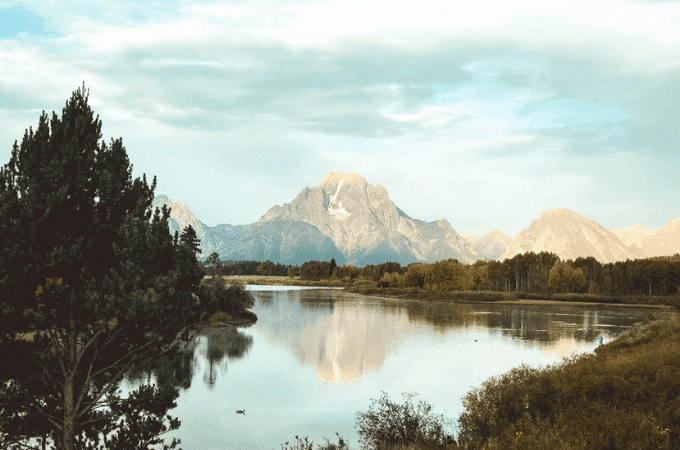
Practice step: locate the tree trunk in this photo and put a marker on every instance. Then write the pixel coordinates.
(69, 415)
(69, 430)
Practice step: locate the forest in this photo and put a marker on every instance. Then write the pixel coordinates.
(530, 275)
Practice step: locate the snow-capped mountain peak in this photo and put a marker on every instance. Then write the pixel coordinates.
(366, 225)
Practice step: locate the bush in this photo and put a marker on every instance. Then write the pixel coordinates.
(306, 444)
(230, 298)
(625, 396)
(388, 425)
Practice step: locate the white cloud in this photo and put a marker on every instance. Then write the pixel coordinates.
(460, 103)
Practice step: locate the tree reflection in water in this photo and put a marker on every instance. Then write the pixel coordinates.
(210, 348)
(528, 322)
(223, 344)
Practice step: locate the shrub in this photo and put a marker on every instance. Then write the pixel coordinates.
(229, 298)
(625, 396)
(388, 425)
(306, 444)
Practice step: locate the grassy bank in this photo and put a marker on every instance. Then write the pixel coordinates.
(624, 396)
(414, 293)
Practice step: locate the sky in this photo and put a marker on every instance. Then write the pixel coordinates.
(481, 113)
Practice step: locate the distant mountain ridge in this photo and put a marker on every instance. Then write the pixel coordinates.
(492, 245)
(344, 217)
(570, 235)
(348, 219)
(663, 241)
(290, 242)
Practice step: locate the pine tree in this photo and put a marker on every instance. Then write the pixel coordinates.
(91, 281)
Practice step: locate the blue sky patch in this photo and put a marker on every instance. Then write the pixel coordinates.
(17, 20)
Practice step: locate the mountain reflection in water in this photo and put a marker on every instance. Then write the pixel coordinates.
(316, 357)
(345, 335)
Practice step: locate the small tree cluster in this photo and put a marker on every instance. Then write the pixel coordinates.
(315, 270)
(388, 425)
(214, 266)
(229, 298)
(563, 277)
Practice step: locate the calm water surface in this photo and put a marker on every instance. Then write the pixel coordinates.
(316, 357)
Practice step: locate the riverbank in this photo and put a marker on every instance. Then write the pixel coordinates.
(222, 319)
(414, 293)
(624, 395)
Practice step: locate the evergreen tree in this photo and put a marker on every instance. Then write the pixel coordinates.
(91, 281)
(213, 265)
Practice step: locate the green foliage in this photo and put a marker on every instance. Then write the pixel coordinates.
(306, 444)
(624, 397)
(348, 272)
(229, 298)
(315, 270)
(266, 268)
(91, 281)
(213, 265)
(563, 277)
(387, 425)
(449, 275)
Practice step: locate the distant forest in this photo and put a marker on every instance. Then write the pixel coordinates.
(530, 273)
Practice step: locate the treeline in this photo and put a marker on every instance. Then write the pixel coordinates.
(530, 273)
(213, 266)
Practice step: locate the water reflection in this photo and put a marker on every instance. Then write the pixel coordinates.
(219, 345)
(529, 322)
(344, 345)
(343, 336)
(208, 352)
(315, 358)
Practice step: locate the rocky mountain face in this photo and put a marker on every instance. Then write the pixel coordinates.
(492, 245)
(569, 235)
(633, 235)
(367, 227)
(344, 217)
(348, 219)
(469, 238)
(181, 217)
(288, 242)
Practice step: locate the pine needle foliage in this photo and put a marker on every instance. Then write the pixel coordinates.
(91, 281)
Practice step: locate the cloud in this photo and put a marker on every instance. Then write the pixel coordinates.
(461, 103)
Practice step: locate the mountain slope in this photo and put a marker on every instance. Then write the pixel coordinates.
(287, 242)
(180, 217)
(569, 235)
(664, 241)
(491, 245)
(366, 225)
(633, 235)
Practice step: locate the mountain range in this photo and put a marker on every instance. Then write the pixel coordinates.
(353, 221)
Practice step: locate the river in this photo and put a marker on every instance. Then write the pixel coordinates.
(315, 357)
